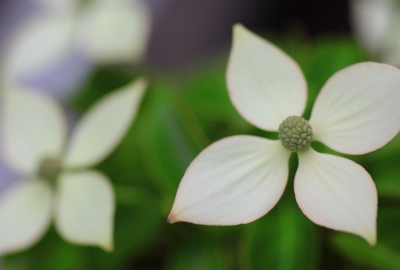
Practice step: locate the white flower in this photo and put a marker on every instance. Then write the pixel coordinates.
(239, 179)
(100, 31)
(377, 26)
(58, 181)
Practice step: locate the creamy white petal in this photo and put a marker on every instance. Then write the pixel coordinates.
(104, 125)
(357, 111)
(337, 193)
(85, 209)
(377, 26)
(370, 20)
(235, 180)
(265, 84)
(25, 212)
(34, 128)
(114, 31)
(39, 43)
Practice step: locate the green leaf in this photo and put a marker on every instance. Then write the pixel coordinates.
(359, 252)
(50, 253)
(284, 239)
(206, 93)
(136, 228)
(166, 143)
(385, 255)
(200, 253)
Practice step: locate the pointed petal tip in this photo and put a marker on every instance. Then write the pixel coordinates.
(172, 218)
(135, 89)
(238, 27)
(370, 238)
(108, 247)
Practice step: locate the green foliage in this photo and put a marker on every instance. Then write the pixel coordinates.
(178, 118)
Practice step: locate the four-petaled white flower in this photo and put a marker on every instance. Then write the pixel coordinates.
(239, 179)
(58, 181)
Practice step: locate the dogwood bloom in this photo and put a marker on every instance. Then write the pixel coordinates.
(66, 38)
(377, 26)
(58, 181)
(239, 179)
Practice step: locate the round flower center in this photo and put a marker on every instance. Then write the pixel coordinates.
(295, 133)
(49, 169)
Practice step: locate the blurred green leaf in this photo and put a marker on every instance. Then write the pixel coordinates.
(205, 91)
(102, 81)
(200, 254)
(166, 143)
(358, 251)
(385, 255)
(136, 228)
(49, 254)
(284, 239)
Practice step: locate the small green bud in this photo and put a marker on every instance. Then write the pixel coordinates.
(295, 133)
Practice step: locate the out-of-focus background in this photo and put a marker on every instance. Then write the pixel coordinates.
(182, 48)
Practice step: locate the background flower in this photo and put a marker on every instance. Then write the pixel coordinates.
(186, 65)
(57, 180)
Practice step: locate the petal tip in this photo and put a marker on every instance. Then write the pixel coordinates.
(238, 27)
(108, 247)
(239, 30)
(370, 238)
(171, 219)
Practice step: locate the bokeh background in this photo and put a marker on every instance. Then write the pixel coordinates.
(185, 109)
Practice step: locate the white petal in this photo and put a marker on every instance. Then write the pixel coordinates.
(41, 42)
(25, 212)
(235, 180)
(377, 25)
(336, 193)
(34, 128)
(102, 128)
(85, 209)
(371, 20)
(114, 31)
(265, 85)
(358, 111)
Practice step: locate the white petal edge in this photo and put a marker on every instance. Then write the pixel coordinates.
(235, 180)
(114, 31)
(337, 193)
(25, 213)
(103, 126)
(85, 209)
(265, 85)
(37, 45)
(357, 111)
(34, 128)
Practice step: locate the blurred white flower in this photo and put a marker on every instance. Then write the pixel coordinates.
(58, 181)
(70, 36)
(239, 179)
(377, 26)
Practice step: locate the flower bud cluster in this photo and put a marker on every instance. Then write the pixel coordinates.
(295, 133)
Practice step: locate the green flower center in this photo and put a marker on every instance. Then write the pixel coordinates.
(295, 133)
(49, 169)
